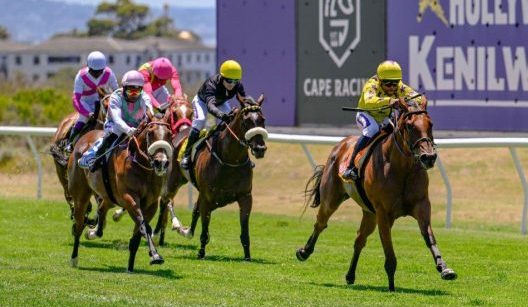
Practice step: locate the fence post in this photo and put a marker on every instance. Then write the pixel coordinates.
(39, 165)
(520, 172)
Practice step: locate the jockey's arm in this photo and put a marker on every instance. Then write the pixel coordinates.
(76, 97)
(147, 88)
(114, 111)
(112, 81)
(210, 101)
(175, 83)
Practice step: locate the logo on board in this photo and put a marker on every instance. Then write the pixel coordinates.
(339, 28)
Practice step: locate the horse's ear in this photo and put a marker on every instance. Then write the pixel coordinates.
(150, 116)
(242, 100)
(260, 100)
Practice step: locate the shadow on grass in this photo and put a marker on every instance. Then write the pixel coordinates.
(101, 243)
(431, 292)
(180, 246)
(226, 259)
(169, 274)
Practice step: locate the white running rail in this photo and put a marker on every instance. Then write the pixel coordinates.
(303, 140)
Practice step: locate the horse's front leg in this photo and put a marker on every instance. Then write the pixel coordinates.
(205, 217)
(385, 222)
(149, 212)
(162, 220)
(368, 224)
(141, 229)
(422, 213)
(245, 203)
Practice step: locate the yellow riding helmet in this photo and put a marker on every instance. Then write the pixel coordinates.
(231, 70)
(389, 70)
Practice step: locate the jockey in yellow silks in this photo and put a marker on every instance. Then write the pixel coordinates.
(380, 91)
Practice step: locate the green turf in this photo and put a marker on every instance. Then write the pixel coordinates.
(36, 243)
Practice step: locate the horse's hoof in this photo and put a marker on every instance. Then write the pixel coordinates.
(176, 224)
(301, 255)
(74, 262)
(156, 259)
(91, 234)
(201, 254)
(248, 259)
(350, 280)
(185, 232)
(448, 274)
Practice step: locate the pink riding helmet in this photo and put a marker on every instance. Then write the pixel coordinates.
(162, 68)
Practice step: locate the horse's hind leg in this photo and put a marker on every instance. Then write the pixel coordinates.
(368, 224)
(81, 204)
(330, 201)
(97, 231)
(162, 220)
(205, 217)
(422, 213)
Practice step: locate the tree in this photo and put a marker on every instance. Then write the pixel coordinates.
(129, 20)
(4, 34)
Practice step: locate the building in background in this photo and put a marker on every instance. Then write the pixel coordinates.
(194, 61)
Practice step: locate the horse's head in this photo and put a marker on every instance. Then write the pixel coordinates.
(250, 122)
(416, 128)
(181, 113)
(155, 137)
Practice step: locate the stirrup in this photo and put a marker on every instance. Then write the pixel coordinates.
(185, 161)
(350, 174)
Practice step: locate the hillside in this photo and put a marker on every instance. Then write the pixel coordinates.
(37, 20)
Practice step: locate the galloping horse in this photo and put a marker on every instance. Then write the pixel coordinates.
(59, 140)
(181, 113)
(223, 171)
(134, 181)
(395, 182)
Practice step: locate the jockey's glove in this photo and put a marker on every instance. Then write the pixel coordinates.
(131, 131)
(225, 118)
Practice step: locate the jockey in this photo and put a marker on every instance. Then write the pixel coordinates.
(127, 109)
(156, 74)
(213, 97)
(381, 90)
(85, 95)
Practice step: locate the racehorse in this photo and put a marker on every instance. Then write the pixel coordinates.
(134, 178)
(223, 171)
(181, 113)
(394, 180)
(60, 139)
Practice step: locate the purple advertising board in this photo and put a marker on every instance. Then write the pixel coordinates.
(260, 35)
(467, 56)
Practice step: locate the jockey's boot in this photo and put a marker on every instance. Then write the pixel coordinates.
(108, 140)
(351, 173)
(73, 134)
(194, 135)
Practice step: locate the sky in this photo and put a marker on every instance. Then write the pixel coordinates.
(157, 3)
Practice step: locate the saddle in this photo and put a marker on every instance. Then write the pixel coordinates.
(361, 162)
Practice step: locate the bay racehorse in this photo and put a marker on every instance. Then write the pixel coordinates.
(394, 180)
(223, 171)
(60, 139)
(181, 113)
(135, 175)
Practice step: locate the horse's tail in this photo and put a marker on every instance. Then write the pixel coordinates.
(311, 192)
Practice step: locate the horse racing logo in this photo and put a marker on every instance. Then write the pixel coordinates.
(337, 33)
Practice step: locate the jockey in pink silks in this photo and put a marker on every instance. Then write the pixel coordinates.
(156, 74)
(85, 97)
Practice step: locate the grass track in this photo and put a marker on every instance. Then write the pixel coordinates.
(36, 243)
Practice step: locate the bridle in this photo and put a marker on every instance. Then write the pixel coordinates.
(407, 141)
(244, 142)
(142, 154)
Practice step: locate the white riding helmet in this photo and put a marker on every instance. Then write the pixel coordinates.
(96, 60)
(133, 78)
